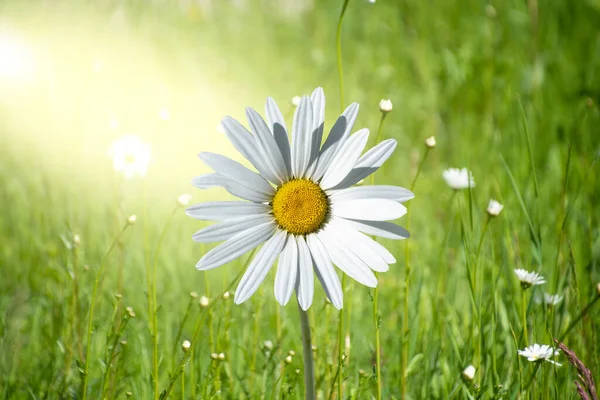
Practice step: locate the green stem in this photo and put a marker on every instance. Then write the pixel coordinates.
(99, 273)
(524, 312)
(407, 272)
(309, 367)
(338, 41)
(340, 345)
(376, 291)
(152, 305)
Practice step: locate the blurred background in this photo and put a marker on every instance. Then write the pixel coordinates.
(76, 75)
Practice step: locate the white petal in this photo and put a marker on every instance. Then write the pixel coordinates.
(287, 270)
(233, 187)
(379, 228)
(245, 143)
(345, 159)
(336, 138)
(354, 242)
(306, 280)
(346, 260)
(220, 210)
(301, 137)
(229, 228)
(236, 246)
(277, 124)
(369, 209)
(236, 171)
(259, 267)
(395, 193)
(267, 146)
(325, 271)
(368, 163)
(317, 98)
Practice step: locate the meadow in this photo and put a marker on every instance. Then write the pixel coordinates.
(509, 89)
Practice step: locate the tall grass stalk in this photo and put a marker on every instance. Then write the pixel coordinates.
(405, 316)
(97, 278)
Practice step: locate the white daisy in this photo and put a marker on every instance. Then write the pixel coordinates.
(537, 353)
(494, 208)
(131, 156)
(458, 179)
(468, 373)
(529, 278)
(550, 300)
(301, 204)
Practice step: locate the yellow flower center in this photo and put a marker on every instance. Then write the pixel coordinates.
(300, 206)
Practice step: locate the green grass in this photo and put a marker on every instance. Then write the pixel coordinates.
(510, 92)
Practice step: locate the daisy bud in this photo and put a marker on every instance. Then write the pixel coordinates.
(268, 345)
(226, 296)
(314, 348)
(288, 360)
(296, 101)
(118, 296)
(214, 356)
(193, 295)
(221, 356)
(430, 142)
(185, 346)
(298, 370)
(385, 106)
(184, 199)
(292, 353)
(494, 208)
(128, 394)
(131, 219)
(130, 312)
(347, 342)
(204, 301)
(468, 373)
(123, 342)
(76, 240)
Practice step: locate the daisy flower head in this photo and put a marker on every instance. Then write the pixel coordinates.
(130, 155)
(494, 208)
(550, 300)
(529, 279)
(458, 179)
(537, 353)
(302, 204)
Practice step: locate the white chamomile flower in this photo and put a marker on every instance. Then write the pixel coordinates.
(184, 199)
(550, 300)
(301, 204)
(529, 278)
(494, 208)
(468, 373)
(537, 353)
(430, 142)
(130, 155)
(385, 106)
(458, 179)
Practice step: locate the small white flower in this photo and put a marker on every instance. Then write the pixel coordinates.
(494, 208)
(131, 156)
(292, 353)
(469, 373)
(289, 359)
(529, 278)
(458, 179)
(164, 114)
(550, 300)
(268, 345)
(385, 106)
(296, 101)
(131, 219)
(221, 356)
(226, 296)
(537, 353)
(184, 199)
(430, 142)
(193, 295)
(186, 345)
(204, 301)
(214, 356)
(76, 240)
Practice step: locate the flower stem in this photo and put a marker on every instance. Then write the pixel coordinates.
(407, 283)
(524, 312)
(338, 41)
(97, 279)
(309, 367)
(376, 292)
